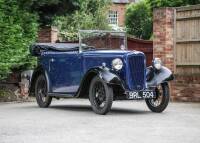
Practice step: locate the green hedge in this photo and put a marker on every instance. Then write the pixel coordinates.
(18, 29)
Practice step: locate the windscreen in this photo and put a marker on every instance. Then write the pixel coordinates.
(102, 39)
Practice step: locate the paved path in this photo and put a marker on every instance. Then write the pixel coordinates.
(72, 121)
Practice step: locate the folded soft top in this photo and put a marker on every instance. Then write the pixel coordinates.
(57, 46)
(37, 48)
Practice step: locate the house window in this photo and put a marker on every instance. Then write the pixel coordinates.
(113, 17)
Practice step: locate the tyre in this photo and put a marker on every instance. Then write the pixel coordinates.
(100, 96)
(161, 101)
(41, 92)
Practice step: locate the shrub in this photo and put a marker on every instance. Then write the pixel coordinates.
(170, 3)
(138, 20)
(18, 30)
(92, 14)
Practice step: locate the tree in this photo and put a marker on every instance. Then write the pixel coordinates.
(171, 3)
(92, 14)
(18, 30)
(138, 20)
(139, 16)
(47, 9)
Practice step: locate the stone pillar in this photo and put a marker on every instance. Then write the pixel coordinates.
(48, 35)
(163, 30)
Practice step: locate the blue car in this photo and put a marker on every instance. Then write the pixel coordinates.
(100, 68)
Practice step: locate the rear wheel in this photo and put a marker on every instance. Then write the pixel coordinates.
(100, 96)
(41, 92)
(161, 101)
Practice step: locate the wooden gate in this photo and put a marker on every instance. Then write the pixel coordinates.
(187, 40)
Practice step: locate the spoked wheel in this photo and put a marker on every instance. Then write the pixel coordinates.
(41, 92)
(161, 101)
(101, 96)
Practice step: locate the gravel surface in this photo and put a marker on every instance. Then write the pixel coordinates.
(73, 121)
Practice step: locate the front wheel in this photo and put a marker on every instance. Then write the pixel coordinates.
(100, 96)
(161, 101)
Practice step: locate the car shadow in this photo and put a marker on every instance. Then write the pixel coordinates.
(87, 108)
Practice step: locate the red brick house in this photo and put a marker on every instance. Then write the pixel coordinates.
(116, 14)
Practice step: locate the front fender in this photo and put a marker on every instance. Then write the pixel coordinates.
(109, 77)
(155, 78)
(104, 73)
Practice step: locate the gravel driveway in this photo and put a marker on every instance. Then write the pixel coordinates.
(72, 121)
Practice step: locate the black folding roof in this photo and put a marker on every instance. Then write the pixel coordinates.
(56, 46)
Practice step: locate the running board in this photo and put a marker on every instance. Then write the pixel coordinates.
(61, 95)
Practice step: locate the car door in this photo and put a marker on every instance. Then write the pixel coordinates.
(65, 72)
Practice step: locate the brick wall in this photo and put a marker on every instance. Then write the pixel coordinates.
(163, 30)
(47, 34)
(185, 87)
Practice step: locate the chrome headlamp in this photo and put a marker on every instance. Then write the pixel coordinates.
(117, 64)
(157, 63)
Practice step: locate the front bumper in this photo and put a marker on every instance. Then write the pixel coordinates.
(142, 94)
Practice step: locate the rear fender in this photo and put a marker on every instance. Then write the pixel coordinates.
(38, 71)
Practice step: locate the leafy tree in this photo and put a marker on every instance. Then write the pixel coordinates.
(192, 2)
(164, 3)
(18, 30)
(47, 9)
(90, 15)
(138, 20)
(139, 16)
(171, 3)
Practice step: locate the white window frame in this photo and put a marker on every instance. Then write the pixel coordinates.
(113, 17)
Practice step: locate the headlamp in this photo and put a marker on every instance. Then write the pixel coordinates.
(157, 63)
(117, 64)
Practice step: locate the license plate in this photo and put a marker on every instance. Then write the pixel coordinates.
(140, 94)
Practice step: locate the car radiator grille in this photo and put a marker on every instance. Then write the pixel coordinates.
(136, 72)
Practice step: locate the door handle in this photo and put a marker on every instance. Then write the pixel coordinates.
(52, 60)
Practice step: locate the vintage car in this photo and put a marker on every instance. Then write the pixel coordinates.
(100, 68)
